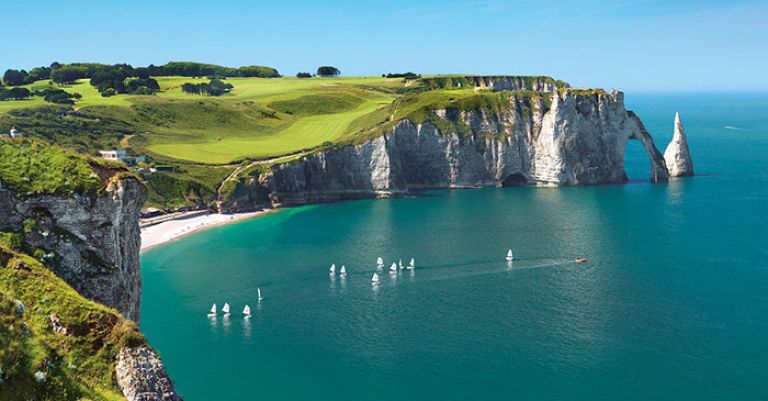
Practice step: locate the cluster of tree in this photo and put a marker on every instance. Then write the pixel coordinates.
(215, 87)
(190, 69)
(304, 75)
(110, 80)
(328, 71)
(14, 93)
(55, 95)
(22, 77)
(406, 75)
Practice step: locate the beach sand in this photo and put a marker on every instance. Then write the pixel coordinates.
(168, 231)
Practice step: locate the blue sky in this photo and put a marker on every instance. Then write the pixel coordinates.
(640, 45)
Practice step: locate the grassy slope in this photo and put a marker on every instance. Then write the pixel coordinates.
(78, 365)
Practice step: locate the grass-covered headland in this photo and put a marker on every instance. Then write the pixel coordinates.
(198, 123)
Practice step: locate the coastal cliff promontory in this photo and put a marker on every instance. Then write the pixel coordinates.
(484, 138)
(70, 282)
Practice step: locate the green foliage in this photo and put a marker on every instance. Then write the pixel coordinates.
(15, 77)
(328, 71)
(87, 130)
(14, 93)
(190, 69)
(53, 95)
(303, 75)
(34, 167)
(326, 103)
(11, 240)
(41, 364)
(213, 88)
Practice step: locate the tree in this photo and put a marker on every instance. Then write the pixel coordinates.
(39, 73)
(14, 93)
(67, 75)
(142, 86)
(303, 75)
(15, 77)
(328, 71)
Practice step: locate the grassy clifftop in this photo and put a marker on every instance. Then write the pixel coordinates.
(54, 344)
(35, 167)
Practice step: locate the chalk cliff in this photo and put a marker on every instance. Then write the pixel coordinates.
(70, 223)
(677, 156)
(565, 137)
(90, 240)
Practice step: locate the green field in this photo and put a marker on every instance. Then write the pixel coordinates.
(242, 124)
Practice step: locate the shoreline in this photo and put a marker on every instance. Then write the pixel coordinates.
(171, 230)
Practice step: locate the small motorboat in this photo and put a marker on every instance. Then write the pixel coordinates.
(581, 260)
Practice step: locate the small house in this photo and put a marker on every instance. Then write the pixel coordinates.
(115, 155)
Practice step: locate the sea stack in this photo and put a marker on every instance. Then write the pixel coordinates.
(677, 156)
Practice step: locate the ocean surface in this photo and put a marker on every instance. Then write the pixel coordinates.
(672, 305)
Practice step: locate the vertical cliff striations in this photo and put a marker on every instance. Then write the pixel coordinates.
(564, 137)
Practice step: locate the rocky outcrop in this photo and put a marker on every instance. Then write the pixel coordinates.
(141, 376)
(90, 240)
(677, 156)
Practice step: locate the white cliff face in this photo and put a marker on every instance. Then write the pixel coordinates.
(92, 241)
(677, 156)
(579, 139)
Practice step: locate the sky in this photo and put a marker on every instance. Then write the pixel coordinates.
(640, 45)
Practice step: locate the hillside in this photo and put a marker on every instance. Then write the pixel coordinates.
(198, 141)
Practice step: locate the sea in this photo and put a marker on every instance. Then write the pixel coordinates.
(672, 303)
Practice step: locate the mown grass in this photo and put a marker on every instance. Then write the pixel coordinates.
(75, 366)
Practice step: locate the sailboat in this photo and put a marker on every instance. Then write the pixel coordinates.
(412, 264)
(343, 271)
(247, 311)
(332, 270)
(225, 309)
(379, 262)
(401, 264)
(213, 310)
(393, 268)
(510, 257)
(258, 290)
(375, 279)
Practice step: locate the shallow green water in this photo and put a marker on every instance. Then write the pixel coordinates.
(672, 304)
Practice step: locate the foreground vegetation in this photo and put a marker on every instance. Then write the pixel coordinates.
(54, 344)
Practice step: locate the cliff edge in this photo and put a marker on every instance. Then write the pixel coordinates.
(70, 283)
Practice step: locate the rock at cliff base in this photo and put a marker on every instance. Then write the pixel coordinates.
(677, 156)
(142, 377)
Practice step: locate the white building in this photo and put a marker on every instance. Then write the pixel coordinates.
(116, 155)
(13, 133)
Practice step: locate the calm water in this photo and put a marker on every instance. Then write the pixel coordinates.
(673, 303)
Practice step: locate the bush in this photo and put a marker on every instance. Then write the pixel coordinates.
(303, 75)
(108, 92)
(58, 96)
(328, 71)
(14, 93)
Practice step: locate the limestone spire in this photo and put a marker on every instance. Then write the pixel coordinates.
(677, 156)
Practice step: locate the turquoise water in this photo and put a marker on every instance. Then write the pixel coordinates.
(673, 304)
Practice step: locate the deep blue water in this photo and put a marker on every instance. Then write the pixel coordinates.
(671, 306)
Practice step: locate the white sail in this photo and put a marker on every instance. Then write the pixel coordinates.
(225, 308)
(380, 262)
(332, 269)
(510, 256)
(343, 270)
(375, 278)
(258, 290)
(412, 263)
(400, 263)
(247, 310)
(213, 309)
(393, 267)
